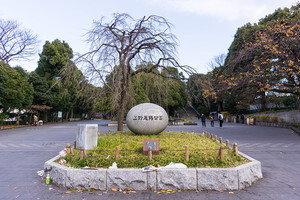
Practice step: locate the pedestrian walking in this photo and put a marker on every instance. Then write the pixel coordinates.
(35, 120)
(220, 117)
(243, 118)
(203, 120)
(211, 118)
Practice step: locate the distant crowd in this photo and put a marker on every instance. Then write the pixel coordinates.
(220, 118)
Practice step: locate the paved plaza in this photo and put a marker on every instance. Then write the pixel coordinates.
(23, 152)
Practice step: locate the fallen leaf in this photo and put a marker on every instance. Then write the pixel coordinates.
(158, 192)
(231, 192)
(221, 191)
(208, 191)
(93, 190)
(154, 191)
(294, 188)
(79, 190)
(132, 191)
(197, 191)
(179, 191)
(124, 192)
(184, 190)
(68, 192)
(169, 190)
(114, 189)
(163, 190)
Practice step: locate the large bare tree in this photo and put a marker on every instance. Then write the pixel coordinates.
(15, 43)
(117, 47)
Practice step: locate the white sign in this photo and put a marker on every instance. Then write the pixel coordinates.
(59, 115)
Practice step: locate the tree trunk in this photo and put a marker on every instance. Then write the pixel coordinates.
(18, 118)
(263, 102)
(123, 98)
(220, 106)
(72, 113)
(45, 119)
(31, 119)
(121, 110)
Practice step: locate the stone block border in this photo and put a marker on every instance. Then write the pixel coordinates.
(236, 178)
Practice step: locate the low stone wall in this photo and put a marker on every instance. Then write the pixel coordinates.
(175, 179)
(280, 125)
(287, 117)
(291, 116)
(74, 119)
(115, 124)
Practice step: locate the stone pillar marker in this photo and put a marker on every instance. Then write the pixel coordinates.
(87, 136)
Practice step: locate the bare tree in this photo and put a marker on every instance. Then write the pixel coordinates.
(218, 61)
(15, 43)
(117, 47)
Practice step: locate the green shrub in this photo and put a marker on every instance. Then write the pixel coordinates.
(290, 101)
(269, 118)
(263, 118)
(191, 122)
(274, 119)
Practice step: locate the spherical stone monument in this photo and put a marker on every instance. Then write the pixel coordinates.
(147, 119)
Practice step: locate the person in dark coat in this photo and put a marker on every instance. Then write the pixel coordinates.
(243, 118)
(211, 118)
(203, 120)
(220, 117)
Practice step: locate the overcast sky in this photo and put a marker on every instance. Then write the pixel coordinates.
(204, 28)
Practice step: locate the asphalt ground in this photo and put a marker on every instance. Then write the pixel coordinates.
(23, 151)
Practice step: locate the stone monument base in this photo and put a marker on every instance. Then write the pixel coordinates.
(236, 178)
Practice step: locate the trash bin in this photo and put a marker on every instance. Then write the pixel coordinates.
(41, 123)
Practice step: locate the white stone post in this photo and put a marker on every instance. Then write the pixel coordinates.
(87, 136)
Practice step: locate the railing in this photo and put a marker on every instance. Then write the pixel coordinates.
(12, 124)
(198, 114)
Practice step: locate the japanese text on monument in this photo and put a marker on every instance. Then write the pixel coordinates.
(148, 117)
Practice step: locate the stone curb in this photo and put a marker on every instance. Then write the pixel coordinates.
(297, 131)
(236, 178)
